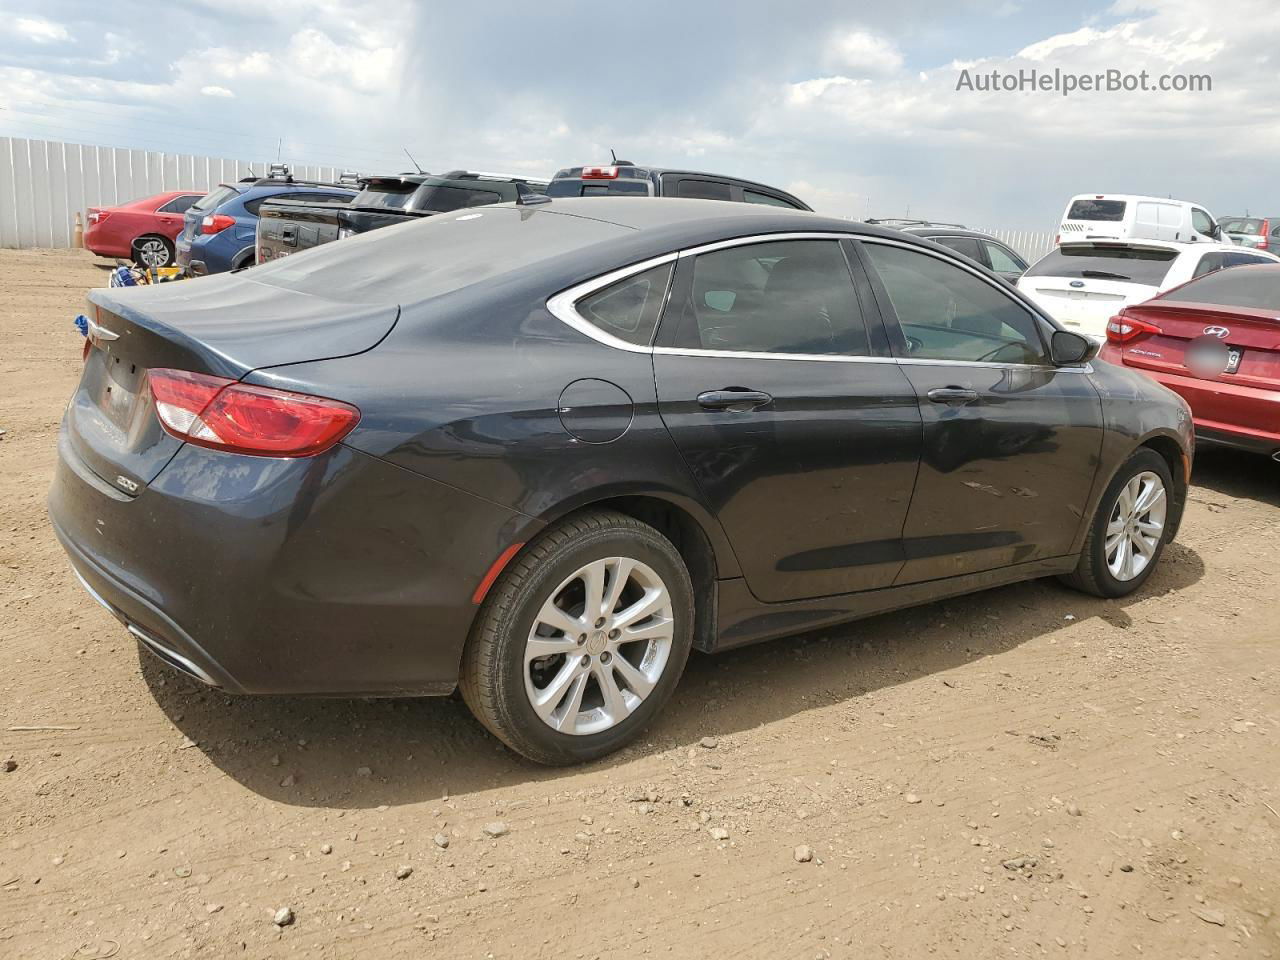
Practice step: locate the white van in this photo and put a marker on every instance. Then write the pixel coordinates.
(1119, 216)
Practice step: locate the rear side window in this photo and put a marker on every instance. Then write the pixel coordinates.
(1086, 262)
(703, 190)
(1003, 260)
(1209, 263)
(947, 313)
(1255, 289)
(1104, 210)
(215, 198)
(788, 297)
(628, 309)
(966, 245)
(179, 204)
(751, 196)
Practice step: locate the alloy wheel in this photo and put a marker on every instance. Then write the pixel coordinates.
(153, 253)
(1136, 526)
(598, 646)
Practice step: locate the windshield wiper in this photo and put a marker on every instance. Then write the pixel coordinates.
(1103, 275)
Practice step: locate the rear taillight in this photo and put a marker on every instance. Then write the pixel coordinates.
(1057, 240)
(599, 173)
(241, 418)
(1122, 329)
(97, 216)
(216, 223)
(1266, 232)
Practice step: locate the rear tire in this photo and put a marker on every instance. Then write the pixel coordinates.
(560, 678)
(1128, 533)
(153, 251)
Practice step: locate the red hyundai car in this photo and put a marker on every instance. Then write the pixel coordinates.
(140, 230)
(1215, 341)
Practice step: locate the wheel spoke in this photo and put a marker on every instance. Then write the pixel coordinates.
(653, 600)
(1150, 528)
(554, 617)
(1116, 526)
(614, 704)
(568, 717)
(549, 646)
(553, 694)
(620, 573)
(655, 628)
(593, 590)
(635, 679)
(1152, 498)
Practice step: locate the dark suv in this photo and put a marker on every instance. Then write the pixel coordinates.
(625, 179)
(977, 246)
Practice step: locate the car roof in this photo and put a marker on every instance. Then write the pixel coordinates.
(949, 232)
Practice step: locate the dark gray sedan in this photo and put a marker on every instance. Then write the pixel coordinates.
(542, 452)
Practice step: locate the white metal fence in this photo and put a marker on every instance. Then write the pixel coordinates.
(43, 183)
(1030, 243)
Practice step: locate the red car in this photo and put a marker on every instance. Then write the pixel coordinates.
(1215, 341)
(140, 230)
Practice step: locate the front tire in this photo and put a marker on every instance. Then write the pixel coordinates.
(581, 640)
(1128, 533)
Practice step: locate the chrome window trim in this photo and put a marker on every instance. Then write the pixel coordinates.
(563, 306)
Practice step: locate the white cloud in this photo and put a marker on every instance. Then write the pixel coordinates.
(41, 30)
(859, 53)
(212, 91)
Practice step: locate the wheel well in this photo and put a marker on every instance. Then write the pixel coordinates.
(1171, 453)
(687, 536)
(150, 236)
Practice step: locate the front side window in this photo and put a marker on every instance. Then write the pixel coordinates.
(628, 309)
(948, 313)
(1003, 260)
(784, 297)
(1202, 222)
(1243, 260)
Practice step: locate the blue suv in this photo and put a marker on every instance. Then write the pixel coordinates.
(219, 231)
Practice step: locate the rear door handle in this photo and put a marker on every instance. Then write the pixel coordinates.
(954, 396)
(737, 399)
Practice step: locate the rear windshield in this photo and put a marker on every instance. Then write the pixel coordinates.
(385, 196)
(1106, 210)
(436, 255)
(215, 198)
(439, 199)
(1129, 264)
(572, 187)
(1257, 288)
(1241, 225)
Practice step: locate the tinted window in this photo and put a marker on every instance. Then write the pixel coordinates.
(629, 309)
(1202, 222)
(179, 204)
(444, 199)
(1208, 263)
(1242, 260)
(1088, 262)
(792, 296)
(948, 313)
(1003, 260)
(966, 245)
(385, 195)
(750, 196)
(215, 198)
(702, 190)
(572, 187)
(1255, 288)
(1242, 225)
(1105, 210)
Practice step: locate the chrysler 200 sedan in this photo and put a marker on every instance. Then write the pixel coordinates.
(542, 452)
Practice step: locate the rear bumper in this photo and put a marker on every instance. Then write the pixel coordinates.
(335, 575)
(1255, 405)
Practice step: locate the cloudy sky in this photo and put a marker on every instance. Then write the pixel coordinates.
(850, 104)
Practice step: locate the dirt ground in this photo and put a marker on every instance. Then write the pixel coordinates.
(1020, 773)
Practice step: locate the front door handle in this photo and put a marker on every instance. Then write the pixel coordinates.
(953, 396)
(736, 399)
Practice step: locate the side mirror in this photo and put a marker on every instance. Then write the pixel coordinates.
(1067, 349)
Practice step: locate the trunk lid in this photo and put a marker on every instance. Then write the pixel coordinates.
(1084, 306)
(225, 326)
